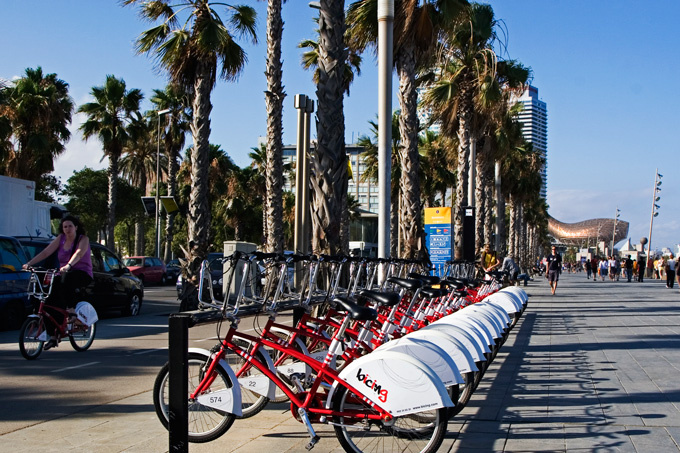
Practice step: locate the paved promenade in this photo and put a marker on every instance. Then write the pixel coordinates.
(594, 368)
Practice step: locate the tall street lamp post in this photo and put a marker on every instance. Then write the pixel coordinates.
(616, 218)
(655, 209)
(385, 55)
(158, 170)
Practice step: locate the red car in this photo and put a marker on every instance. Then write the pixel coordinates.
(148, 269)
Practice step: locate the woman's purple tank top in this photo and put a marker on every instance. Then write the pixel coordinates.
(84, 264)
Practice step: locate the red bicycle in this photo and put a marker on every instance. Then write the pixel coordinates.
(33, 333)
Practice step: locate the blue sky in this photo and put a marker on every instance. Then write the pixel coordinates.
(608, 72)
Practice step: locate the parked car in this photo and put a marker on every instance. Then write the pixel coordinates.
(216, 275)
(14, 303)
(114, 287)
(148, 269)
(173, 269)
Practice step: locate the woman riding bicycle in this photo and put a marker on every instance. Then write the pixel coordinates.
(75, 266)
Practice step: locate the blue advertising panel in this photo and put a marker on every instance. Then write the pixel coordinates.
(439, 233)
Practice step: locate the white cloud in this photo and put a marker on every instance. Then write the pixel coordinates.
(79, 154)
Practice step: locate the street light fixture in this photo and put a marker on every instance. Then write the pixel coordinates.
(158, 170)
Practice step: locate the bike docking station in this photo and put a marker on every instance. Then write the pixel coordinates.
(395, 362)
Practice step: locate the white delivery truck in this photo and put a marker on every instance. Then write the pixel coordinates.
(21, 214)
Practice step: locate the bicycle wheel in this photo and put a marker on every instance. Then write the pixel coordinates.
(30, 343)
(251, 402)
(81, 337)
(205, 423)
(465, 391)
(421, 432)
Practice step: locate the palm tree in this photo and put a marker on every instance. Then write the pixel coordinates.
(417, 26)
(113, 109)
(310, 60)
(173, 98)
(370, 158)
(274, 96)
(138, 165)
(36, 111)
(329, 162)
(192, 52)
(438, 173)
(470, 64)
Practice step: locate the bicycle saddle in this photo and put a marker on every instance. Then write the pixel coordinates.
(382, 298)
(429, 279)
(407, 283)
(355, 311)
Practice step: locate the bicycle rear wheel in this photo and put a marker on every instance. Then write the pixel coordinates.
(30, 342)
(81, 337)
(420, 432)
(205, 423)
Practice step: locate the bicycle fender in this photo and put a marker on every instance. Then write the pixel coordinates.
(429, 352)
(228, 400)
(471, 342)
(490, 314)
(474, 328)
(507, 301)
(496, 308)
(455, 349)
(488, 325)
(396, 382)
(518, 293)
(296, 367)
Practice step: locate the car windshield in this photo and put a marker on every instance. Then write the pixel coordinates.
(134, 262)
(215, 265)
(173, 263)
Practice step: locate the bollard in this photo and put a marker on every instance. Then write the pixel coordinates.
(178, 342)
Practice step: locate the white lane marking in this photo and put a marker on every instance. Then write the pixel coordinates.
(74, 367)
(163, 326)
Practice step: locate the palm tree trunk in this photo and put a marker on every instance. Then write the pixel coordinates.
(199, 203)
(461, 183)
(113, 196)
(173, 168)
(274, 97)
(410, 159)
(394, 225)
(329, 164)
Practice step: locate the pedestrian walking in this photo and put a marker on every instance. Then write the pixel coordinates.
(629, 268)
(641, 266)
(603, 267)
(554, 269)
(589, 268)
(670, 271)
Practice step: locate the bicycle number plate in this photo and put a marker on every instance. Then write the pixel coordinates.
(222, 400)
(42, 336)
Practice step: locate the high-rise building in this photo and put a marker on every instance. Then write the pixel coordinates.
(534, 119)
(365, 192)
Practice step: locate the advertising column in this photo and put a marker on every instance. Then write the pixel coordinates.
(438, 229)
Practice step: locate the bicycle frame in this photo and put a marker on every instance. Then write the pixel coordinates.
(303, 399)
(36, 289)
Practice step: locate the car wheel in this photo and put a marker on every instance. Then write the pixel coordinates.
(134, 305)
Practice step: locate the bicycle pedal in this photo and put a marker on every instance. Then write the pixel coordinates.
(312, 443)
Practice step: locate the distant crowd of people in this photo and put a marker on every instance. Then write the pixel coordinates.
(601, 268)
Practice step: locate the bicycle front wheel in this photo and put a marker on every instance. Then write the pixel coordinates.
(81, 337)
(32, 336)
(205, 423)
(420, 432)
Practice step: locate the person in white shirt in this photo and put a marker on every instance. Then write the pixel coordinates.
(670, 271)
